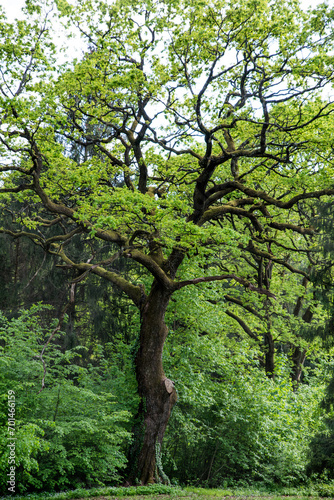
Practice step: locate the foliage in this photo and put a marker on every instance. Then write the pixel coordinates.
(321, 453)
(235, 426)
(68, 434)
(106, 166)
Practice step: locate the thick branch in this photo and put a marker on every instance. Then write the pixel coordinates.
(217, 212)
(282, 226)
(151, 265)
(136, 293)
(253, 193)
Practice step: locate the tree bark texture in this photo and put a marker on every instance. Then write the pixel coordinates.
(156, 391)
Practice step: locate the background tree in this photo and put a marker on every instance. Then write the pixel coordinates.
(213, 118)
(321, 456)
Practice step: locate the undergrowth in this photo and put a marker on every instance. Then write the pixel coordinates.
(315, 490)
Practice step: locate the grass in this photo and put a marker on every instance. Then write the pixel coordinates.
(160, 492)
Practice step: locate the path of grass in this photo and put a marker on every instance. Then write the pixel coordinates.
(207, 497)
(159, 492)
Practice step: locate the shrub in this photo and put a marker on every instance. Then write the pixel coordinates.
(68, 434)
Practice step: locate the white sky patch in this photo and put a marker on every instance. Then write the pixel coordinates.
(12, 8)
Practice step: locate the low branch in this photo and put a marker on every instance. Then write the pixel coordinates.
(134, 292)
(243, 325)
(238, 302)
(205, 279)
(266, 255)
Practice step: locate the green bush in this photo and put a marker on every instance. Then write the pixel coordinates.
(321, 454)
(68, 434)
(232, 425)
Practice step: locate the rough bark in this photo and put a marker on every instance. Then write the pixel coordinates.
(156, 391)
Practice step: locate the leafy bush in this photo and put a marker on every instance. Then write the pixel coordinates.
(68, 434)
(232, 425)
(321, 455)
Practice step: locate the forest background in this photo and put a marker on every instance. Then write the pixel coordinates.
(166, 244)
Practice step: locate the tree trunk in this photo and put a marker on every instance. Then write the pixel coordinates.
(269, 347)
(157, 393)
(269, 344)
(298, 356)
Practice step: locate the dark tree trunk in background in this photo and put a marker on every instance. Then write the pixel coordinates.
(157, 393)
(269, 347)
(298, 356)
(269, 343)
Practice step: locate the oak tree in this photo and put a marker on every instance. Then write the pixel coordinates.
(201, 138)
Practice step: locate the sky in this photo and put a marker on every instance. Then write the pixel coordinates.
(12, 7)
